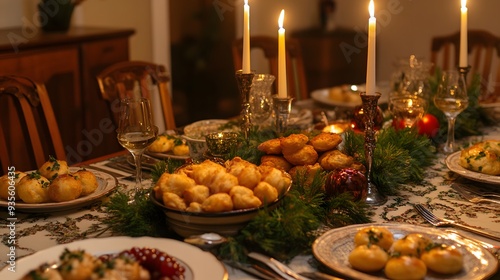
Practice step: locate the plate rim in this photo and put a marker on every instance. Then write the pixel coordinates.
(117, 243)
(111, 183)
(350, 272)
(321, 95)
(452, 162)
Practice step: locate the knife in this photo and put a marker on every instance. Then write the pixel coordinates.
(277, 266)
(319, 276)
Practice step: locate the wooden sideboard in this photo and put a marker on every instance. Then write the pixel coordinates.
(67, 63)
(333, 57)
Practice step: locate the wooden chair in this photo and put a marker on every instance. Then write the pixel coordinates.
(129, 78)
(296, 78)
(483, 54)
(29, 133)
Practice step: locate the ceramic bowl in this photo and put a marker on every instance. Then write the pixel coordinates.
(195, 133)
(187, 224)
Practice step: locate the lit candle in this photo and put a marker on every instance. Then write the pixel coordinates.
(246, 38)
(463, 35)
(370, 67)
(282, 91)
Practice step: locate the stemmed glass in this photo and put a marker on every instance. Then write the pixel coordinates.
(136, 131)
(451, 98)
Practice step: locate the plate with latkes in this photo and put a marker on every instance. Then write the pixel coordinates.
(453, 164)
(346, 95)
(106, 184)
(334, 247)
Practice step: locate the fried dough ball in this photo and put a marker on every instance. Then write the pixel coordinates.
(443, 259)
(307, 171)
(368, 258)
(197, 193)
(53, 167)
(203, 172)
(374, 235)
(405, 268)
(412, 244)
(219, 202)
(293, 143)
(6, 188)
(162, 144)
(175, 183)
(222, 182)
(271, 146)
(325, 141)
(181, 150)
(76, 265)
(275, 177)
(306, 155)
(65, 188)
(33, 188)
(335, 159)
(248, 174)
(172, 200)
(482, 157)
(194, 207)
(88, 181)
(265, 192)
(244, 198)
(276, 161)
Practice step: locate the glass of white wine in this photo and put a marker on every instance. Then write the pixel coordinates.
(136, 131)
(451, 98)
(407, 108)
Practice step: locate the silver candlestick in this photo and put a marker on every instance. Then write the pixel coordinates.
(369, 112)
(244, 81)
(282, 108)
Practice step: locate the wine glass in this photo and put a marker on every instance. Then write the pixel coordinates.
(407, 108)
(261, 98)
(451, 98)
(136, 131)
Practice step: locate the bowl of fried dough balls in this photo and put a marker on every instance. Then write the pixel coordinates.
(218, 197)
(51, 182)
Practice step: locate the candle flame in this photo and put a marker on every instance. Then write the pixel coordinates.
(464, 3)
(281, 18)
(246, 2)
(371, 8)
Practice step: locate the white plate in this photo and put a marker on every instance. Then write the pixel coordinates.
(106, 184)
(200, 265)
(333, 249)
(351, 99)
(453, 163)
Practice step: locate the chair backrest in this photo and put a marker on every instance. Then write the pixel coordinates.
(29, 133)
(296, 78)
(483, 57)
(129, 78)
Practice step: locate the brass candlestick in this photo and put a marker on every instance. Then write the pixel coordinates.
(282, 108)
(244, 81)
(370, 111)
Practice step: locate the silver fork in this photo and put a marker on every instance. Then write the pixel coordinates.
(438, 222)
(476, 190)
(474, 198)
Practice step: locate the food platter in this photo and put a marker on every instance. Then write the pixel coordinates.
(200, 265)
(344, 96)
(333, 248)
(453, 163)
(106, 184)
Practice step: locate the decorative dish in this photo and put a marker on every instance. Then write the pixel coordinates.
(334, 246)
(453, 163)
(106, 184)
(199, 265)
(345, 95)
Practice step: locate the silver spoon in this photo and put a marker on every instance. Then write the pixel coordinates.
(206, 240)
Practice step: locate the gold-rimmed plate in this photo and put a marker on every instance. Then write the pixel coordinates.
(106, 184)
(334, 247)
(453, 163)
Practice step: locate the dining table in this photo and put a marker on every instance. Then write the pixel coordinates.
(35, 229)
